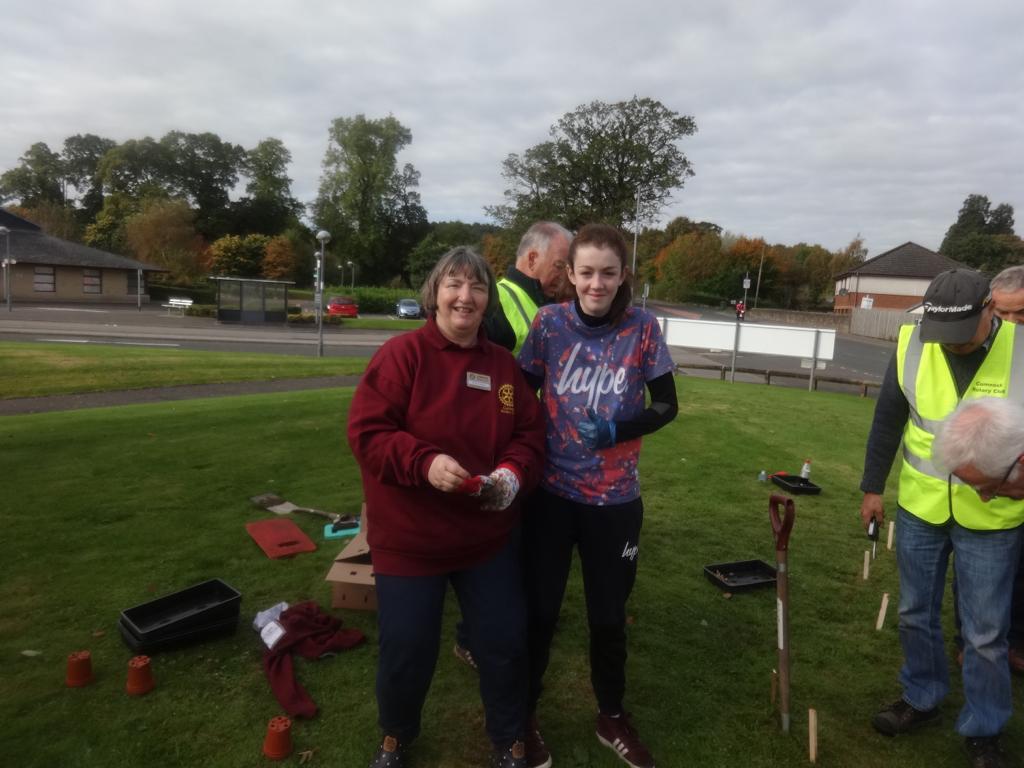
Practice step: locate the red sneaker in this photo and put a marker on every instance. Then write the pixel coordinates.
(537, 755)
(619, 735)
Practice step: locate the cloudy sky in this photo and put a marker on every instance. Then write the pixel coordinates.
(817, 120)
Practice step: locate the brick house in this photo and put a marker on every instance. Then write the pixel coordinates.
(48, 269)
(896, 279)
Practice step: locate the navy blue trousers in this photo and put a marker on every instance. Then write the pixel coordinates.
(409, 613)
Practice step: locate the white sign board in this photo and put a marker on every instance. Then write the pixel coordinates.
(782, 340)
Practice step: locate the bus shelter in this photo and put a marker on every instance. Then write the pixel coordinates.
(248, 300)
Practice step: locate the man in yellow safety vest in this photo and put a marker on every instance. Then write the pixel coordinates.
(961, 351)
(538, 277)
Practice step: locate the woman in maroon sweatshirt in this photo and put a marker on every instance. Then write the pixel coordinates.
(446, 433)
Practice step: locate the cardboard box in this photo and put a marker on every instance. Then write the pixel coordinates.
(351, 575)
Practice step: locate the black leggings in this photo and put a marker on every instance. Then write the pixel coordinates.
(608, 541)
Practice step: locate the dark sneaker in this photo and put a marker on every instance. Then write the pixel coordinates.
(985, 752)
(389, 754)
(900, 717)
(619, 735)
(537, 755)
(462, 654)
(512, 756)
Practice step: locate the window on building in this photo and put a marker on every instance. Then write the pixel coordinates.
(92, 281)
(133, 282)
(44, 280)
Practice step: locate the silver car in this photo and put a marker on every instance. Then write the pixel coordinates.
(407, 308)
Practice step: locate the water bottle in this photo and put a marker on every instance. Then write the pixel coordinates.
(805, 470)
(762, 476)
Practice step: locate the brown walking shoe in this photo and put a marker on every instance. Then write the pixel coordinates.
(618, 734)
(537, 755)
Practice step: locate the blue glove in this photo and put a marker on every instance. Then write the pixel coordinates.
(596, 433)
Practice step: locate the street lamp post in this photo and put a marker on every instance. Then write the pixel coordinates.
(7, 266)
(353, 268)
(324, 237)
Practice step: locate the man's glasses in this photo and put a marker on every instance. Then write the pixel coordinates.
(992, 492)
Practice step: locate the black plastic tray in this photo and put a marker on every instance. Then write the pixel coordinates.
(170, 642)
(796, 484)
(193, 608)
(740, 576)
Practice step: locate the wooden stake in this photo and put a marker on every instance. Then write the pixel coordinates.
(867, 563)
(773, 687)
(882, 610)
(812, 734)
(892, 530)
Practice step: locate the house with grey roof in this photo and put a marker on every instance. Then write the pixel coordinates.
(48, 269)
(896, 279)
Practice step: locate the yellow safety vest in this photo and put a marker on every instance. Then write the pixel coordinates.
(927, 382)
(519, 308)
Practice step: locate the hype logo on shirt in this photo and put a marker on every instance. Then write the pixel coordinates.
(595, 380)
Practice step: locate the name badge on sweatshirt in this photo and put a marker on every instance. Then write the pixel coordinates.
(478, 381)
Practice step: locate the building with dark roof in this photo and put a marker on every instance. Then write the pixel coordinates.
(896, 279)
(50, 269)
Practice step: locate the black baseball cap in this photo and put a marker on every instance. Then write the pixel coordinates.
(952, 305)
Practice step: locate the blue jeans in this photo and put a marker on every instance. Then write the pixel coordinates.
(985, 564)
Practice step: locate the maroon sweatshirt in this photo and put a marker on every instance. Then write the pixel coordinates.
(422, 396)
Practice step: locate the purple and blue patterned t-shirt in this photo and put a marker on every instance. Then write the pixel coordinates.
(605, 368)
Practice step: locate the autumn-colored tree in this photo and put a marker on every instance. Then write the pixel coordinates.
(236, 256)
(499, 250)
(163, 233)
(686, 263)
(280, 261)
(55, 219)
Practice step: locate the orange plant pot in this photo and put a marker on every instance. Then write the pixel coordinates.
(277, 744)
(140, 676)
(79, 669)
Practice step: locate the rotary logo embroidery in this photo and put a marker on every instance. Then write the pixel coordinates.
(506, 398)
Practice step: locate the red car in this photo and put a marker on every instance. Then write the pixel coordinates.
(343, 306)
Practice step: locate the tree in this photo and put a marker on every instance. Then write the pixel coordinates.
(55, 219)
(81, 158)
(38, 178)
(203, 169)
(983, 237)
(138, 168)
(597, 159)
(107, 231)
(364, 201)
(163, 233)
(280, 259)
(268, 207)
(236, 256)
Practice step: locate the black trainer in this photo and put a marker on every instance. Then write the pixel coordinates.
(985, 752)
(900, 717)
(512, 756)
(390, 754)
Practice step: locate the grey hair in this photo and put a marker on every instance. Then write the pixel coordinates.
(539, 237)
(1010, 279)
(460, 260)
(987, 432)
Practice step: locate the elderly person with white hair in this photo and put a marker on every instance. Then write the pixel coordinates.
(982, 444)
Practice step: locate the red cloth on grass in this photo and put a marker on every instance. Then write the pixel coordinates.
(311, 633)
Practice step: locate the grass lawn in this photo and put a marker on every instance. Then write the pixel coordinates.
(33, 370)
(104, 509)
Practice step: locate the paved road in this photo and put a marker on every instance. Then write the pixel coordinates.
(856, 358)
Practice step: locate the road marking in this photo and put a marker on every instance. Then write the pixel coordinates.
(123, 343)
(71, 309)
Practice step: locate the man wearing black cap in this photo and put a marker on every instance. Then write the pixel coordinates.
(962, 351)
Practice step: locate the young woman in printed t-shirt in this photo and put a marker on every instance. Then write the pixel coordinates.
(593, 359)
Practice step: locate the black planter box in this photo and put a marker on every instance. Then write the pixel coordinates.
(173, 641)
(796, 484)
(740, 576)
(196, 609)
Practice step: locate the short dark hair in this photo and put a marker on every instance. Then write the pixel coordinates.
(605, 236)
(460, 260)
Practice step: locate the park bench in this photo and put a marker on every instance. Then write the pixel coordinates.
(178, 304)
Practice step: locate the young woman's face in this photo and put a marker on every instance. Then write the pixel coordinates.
(597, 275)
(461, 301)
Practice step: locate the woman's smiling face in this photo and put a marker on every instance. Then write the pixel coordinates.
(597, 274)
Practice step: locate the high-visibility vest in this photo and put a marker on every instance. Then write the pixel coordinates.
(519, 308)
(927, 382)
